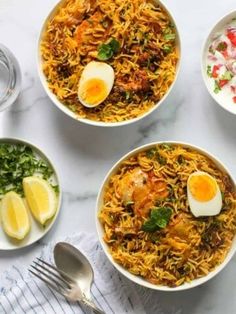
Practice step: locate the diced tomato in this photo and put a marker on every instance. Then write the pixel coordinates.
(225, 54)
(232, 37)
(234, 99)
(215, 71)
(222, 83)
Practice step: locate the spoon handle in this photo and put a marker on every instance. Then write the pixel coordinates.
(92, 306)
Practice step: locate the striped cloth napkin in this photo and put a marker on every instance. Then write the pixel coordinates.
(22, 293)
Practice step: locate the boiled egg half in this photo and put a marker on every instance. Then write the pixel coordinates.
(204, 194)
(95, 83)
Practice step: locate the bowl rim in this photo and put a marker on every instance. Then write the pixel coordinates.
(69, 112)
(223, 19)
(16, 140)
(99, 229)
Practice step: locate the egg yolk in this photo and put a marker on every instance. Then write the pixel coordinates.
(202, 187)
(94, 91)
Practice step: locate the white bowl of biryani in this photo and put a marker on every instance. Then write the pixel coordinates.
(166, 216)
(101, 64)
(219, 62)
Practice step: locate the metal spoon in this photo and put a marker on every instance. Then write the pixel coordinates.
(71, 261)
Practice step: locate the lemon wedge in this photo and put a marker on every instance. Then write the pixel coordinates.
(40, 197)
(14, 215)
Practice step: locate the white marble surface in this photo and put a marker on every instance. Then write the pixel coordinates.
(83, 154)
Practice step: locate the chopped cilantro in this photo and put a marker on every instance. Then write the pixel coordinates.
(170, 36)
(151, 153)
(211, 50)
(16, 163)
(161, 159)
(167, 49)
(217, 88)
(209, 72)
(227, 76)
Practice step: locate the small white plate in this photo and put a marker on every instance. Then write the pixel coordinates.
(37, 231)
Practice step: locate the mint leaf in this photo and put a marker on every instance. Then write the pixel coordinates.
(150, 226)
(115, 45)
(106, 51)
(159, 219)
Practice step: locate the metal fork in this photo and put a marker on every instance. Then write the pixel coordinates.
(59, 281)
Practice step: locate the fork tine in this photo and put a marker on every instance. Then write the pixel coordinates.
(49, 277)
(52, 273)
(48, 282)
(61, 272)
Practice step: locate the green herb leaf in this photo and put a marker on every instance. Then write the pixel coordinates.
(115, 45)
(221, 46)
(150, 226)
(217, 88)
(209, 72)
(170, 36)
(161, 159)
(127, 95)
(227, 76)
(151, 153)
(16, 163)
(167, 49)
(128, 204)
(166, 146)
(211, 50)
(159, 219)
(106, 51)
(180, 160)
(104, 23)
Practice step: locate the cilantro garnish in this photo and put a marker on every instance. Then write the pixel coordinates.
(209, 71)
(227, 76)
(167, 49)
(217, 88)
(170, 36)
(151, 153)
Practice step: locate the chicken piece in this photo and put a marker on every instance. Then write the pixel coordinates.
(141, 189)
(85, 29)
(139, 82)
(180, 227)
(131, 180)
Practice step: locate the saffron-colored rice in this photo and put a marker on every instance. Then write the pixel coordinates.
(145, 65)
(188, 247)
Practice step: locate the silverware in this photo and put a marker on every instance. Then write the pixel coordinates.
(61, 282)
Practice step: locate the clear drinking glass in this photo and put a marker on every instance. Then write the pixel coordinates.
(10, 78)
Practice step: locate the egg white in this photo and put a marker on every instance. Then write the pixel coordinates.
(97, 70)
(208, 208)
